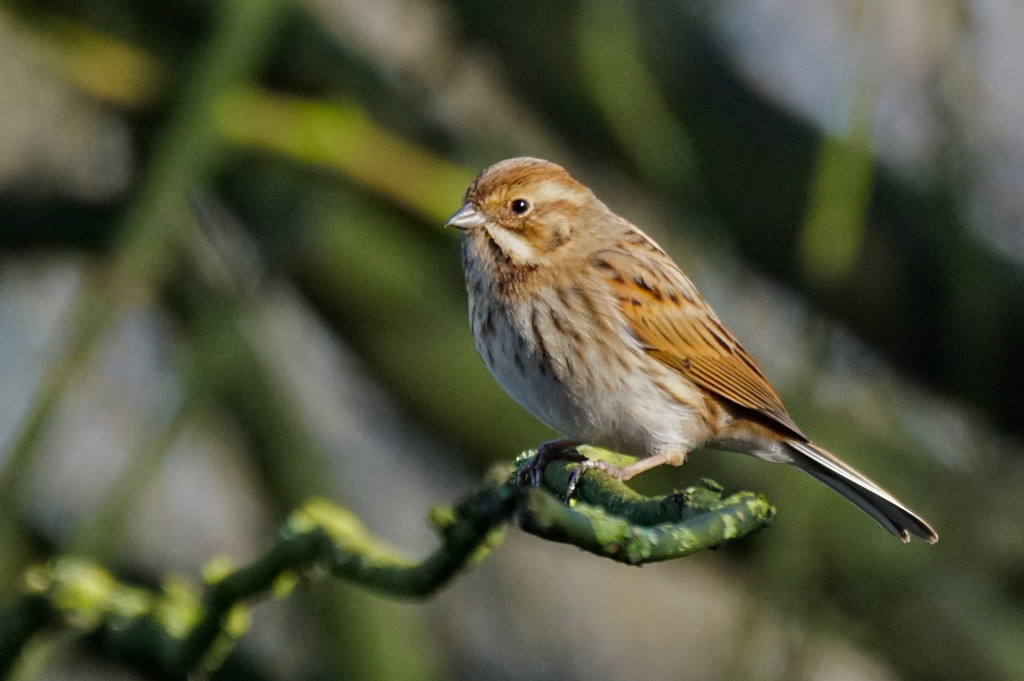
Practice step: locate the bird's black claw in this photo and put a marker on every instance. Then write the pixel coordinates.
(574, 478)
(532, 472)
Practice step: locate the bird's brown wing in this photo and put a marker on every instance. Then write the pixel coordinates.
(678, 328)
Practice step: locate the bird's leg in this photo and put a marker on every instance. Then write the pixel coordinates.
(532, 471)
(623, 473)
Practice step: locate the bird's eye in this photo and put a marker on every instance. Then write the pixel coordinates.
(520, 206)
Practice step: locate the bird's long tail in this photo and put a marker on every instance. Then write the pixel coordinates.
(869, 497)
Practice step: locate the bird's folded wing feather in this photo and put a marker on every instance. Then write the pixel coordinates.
(669, 317)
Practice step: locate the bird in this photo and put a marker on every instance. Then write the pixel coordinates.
(590, 326)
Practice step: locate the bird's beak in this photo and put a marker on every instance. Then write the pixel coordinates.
(466, 217)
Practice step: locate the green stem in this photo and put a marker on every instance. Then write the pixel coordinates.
(175, 631)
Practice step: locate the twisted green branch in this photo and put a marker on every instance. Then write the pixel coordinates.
(611, 520)
(179, 629)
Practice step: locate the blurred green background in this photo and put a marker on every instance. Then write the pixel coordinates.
(224, 288)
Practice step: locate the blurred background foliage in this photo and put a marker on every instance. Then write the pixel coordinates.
(224, 288)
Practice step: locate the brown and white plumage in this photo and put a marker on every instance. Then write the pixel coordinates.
(589, 325)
